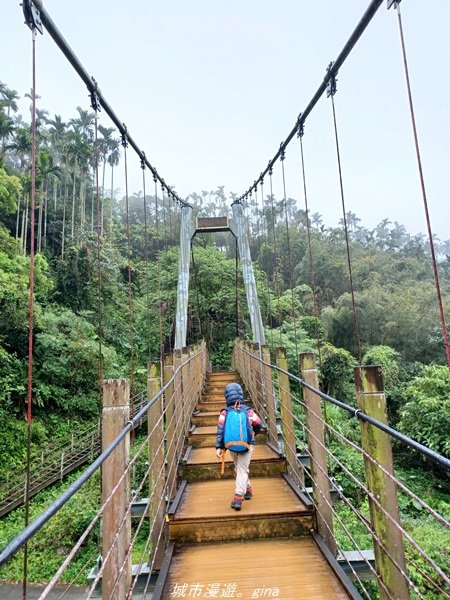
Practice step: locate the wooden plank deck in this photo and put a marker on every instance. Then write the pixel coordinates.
(263, 551)
(285, 569)
(208, 455)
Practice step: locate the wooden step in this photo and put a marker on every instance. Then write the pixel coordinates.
(202, 465)
(203, 512)
(229, 376)
(285, 569)
(204, 419)
(216, 405)
(206, 436)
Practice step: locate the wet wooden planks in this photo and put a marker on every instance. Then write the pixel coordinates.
(276, 568)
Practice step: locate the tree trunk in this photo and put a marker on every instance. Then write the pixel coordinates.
(73, 203)
(18, 219)
(45, 213)
(103, 195)
(25, 234)
(40, 216)
(112, 197)
(66, 194)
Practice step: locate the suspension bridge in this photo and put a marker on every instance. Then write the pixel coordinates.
(290, 540)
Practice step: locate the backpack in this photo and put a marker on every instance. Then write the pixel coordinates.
(237, 431)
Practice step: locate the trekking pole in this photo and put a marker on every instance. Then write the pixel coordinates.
(222, 468)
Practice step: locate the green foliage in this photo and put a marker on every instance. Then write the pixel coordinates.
(337, 372)
(425, 415)
(10, 189)
(67, 367)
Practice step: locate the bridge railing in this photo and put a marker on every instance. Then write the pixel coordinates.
(344, 466)
(174, 388)
(58, 461)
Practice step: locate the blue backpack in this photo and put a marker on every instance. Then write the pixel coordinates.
(237, 433)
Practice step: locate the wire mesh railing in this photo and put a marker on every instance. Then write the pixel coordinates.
(55, 463)
(131, 549)
(389, 552)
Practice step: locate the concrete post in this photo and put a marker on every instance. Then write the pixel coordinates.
(115, 415)
(372, 401)
(317, 452)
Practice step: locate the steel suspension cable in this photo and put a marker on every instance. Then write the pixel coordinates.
(275, 256)
(31, 309)
(422, 185)
(158, 269)
(265, 235)
(95, 106)
(288, 241)
(331, 92)
(130, 295)
(147, 282)
(311, 259)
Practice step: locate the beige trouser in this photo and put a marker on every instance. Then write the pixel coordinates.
(242, 465)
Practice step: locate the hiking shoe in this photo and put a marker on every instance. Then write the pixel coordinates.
(236, 503)
(248, 494)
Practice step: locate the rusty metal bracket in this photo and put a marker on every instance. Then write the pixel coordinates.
(32, 16)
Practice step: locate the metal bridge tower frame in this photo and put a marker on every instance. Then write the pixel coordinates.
(238, 229)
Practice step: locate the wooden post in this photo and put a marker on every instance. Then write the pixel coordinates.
(157, 477)
(372, 401)
(179, 403)
(287, 419)
(257, 373)
(115, 415)
(317, 452)
(269, 397)
(185, 392)
(171, 428)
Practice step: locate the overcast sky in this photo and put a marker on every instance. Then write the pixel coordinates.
(209, 88)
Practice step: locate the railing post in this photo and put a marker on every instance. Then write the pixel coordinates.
(257, 370)
(269, 397)
(156, 460)
(287, 420)
(171, 427)
(115, 415)
(390, 557)
(317, 451)
(185, 400)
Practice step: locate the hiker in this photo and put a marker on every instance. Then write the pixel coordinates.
(238, 424)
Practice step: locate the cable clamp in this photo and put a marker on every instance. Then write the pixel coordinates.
(357, 412)
(32, 16)
(270, 168)
(300, 126)
(332, 81)
(392, 3)
(95, 102)
(261, 179)
(282, 151)
(124, 136)
(143, 165)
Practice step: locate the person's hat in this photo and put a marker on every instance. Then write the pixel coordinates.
(234, 393)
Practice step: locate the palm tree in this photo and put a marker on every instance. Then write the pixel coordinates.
(21, 145)
(45, 170)
(9, 99)
(106, 144)
(113, 161)
(6, 130)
